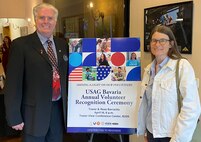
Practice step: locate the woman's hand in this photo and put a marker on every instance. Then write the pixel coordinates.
(145, 139)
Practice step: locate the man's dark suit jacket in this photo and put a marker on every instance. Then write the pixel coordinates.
(28, 86)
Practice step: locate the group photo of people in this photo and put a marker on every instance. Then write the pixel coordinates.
(136, 82)
(75, 45)
(103, 44)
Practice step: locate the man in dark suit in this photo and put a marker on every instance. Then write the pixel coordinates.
(35, 90)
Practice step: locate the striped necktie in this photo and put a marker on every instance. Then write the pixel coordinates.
(56, 86)
(51, 54)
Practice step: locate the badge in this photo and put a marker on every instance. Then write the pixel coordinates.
(65, 58)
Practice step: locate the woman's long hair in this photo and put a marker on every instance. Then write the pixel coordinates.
(173, 52)
(9, 41)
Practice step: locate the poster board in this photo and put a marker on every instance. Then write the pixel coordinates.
(102, 94)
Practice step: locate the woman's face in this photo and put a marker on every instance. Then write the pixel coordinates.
(133, 56)
(102, 57)
(6, 40)
(160, 44)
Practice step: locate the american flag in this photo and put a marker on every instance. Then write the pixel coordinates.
(103, 72)
(76, 74)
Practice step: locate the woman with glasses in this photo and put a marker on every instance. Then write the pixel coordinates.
(160, 119)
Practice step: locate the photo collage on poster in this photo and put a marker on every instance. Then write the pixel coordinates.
(109, 59)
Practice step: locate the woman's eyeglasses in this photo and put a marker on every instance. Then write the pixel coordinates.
(162, 41)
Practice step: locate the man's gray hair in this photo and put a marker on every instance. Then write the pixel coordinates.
(44, 5)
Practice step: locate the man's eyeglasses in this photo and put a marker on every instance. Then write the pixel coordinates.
(162, 41)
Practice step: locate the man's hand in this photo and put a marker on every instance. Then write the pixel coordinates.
(19, 126)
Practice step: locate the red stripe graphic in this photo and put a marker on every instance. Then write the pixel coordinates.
(76, 74)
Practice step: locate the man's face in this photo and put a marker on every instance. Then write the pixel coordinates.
(45, 22)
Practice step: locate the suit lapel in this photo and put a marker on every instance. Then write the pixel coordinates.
(37, 45)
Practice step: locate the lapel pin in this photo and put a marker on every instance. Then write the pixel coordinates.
(41, 51)
(59, 50)
(65, 58)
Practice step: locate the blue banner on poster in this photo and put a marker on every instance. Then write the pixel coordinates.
(104, 82)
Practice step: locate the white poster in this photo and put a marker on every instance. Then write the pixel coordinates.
(104, 83)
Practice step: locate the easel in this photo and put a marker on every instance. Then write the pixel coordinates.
(92, 135)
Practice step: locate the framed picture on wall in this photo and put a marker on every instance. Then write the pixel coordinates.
(177, 16)
(73, 26)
